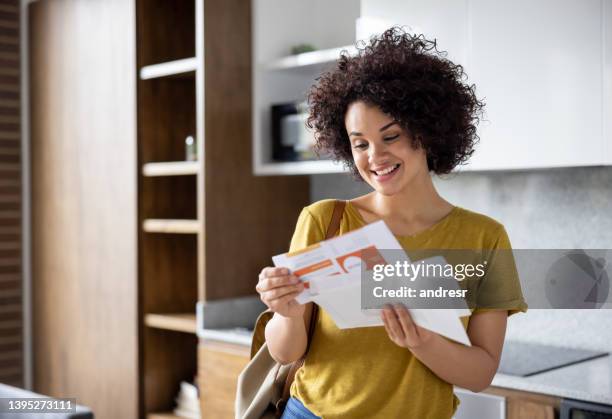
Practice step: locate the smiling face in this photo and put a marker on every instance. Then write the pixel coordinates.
(382, 150)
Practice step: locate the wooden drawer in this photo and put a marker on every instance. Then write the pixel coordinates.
(521, 404)
(219, 365)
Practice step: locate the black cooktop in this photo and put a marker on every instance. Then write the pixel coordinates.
(526, 359)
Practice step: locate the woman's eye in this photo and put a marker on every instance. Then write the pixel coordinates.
(361, 145)
(391, 138)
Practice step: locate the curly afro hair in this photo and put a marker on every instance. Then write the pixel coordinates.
(411, 81)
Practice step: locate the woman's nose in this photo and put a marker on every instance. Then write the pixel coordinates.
(376, 151)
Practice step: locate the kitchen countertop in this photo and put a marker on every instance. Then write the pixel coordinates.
(237, 336)
(587, 381)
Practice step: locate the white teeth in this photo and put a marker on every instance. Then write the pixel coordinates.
(387, 170)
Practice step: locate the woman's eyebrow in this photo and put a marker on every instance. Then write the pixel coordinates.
(380, 130)
(387, 126)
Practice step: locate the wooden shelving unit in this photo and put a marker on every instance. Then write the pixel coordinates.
(193, 214)
(169, 199)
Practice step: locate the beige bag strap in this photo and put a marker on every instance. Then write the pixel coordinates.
(332, 229)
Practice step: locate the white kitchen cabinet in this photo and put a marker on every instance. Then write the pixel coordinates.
(445, 20)
(544, 69)
(539, 67)
(479, 405)
(607, 78)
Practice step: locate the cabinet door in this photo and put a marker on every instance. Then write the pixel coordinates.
(445, 20)
(83, 159)
(518, 409)
(607, 75)
(219, 365)
(538, 66)
(479, 405)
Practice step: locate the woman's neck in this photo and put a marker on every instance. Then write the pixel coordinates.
(406, 213)
(419, 202)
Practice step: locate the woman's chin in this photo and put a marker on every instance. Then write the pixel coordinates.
(386, 190)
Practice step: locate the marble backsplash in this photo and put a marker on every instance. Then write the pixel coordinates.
(541, 209)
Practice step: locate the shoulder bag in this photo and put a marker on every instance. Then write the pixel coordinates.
(264, 384)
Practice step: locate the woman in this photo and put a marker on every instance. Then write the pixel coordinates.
(393, 114)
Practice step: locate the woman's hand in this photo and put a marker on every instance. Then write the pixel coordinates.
(277, 288)
(401, 329)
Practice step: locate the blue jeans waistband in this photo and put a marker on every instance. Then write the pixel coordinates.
(296, 410)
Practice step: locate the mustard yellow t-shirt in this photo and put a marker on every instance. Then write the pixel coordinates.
(361, 373)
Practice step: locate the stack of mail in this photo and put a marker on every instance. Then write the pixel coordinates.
(331, 271)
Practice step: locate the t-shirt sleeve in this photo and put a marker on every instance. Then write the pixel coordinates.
(500, 288)
(308, 231)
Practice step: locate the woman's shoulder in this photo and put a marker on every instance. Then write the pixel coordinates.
(320, 213)
(312, 223)
(477, 218)
(321, 210)
(484, 224)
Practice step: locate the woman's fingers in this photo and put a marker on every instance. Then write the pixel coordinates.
(383, 315)
(274, 283)
(281, 291)
(269, 271)
(277, 288)
(267, 283)
(399, 325)
(280, 281)
(284, 300)
(406, 323)
(280, 295)
(392, 323)
(402, 329)
(405, 319)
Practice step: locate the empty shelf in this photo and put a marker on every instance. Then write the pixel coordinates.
(171, 168)
(179, 322)
(313, 58)
(171, 226)
(170, 68)
(163, 416)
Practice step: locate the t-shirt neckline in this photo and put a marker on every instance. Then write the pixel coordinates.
(418, 235)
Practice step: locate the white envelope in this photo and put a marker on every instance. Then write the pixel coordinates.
(341, 299)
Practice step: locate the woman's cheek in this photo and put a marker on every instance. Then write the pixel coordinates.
(361, 160)
(362, 165)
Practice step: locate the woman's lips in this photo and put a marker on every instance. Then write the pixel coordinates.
(387, 176)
